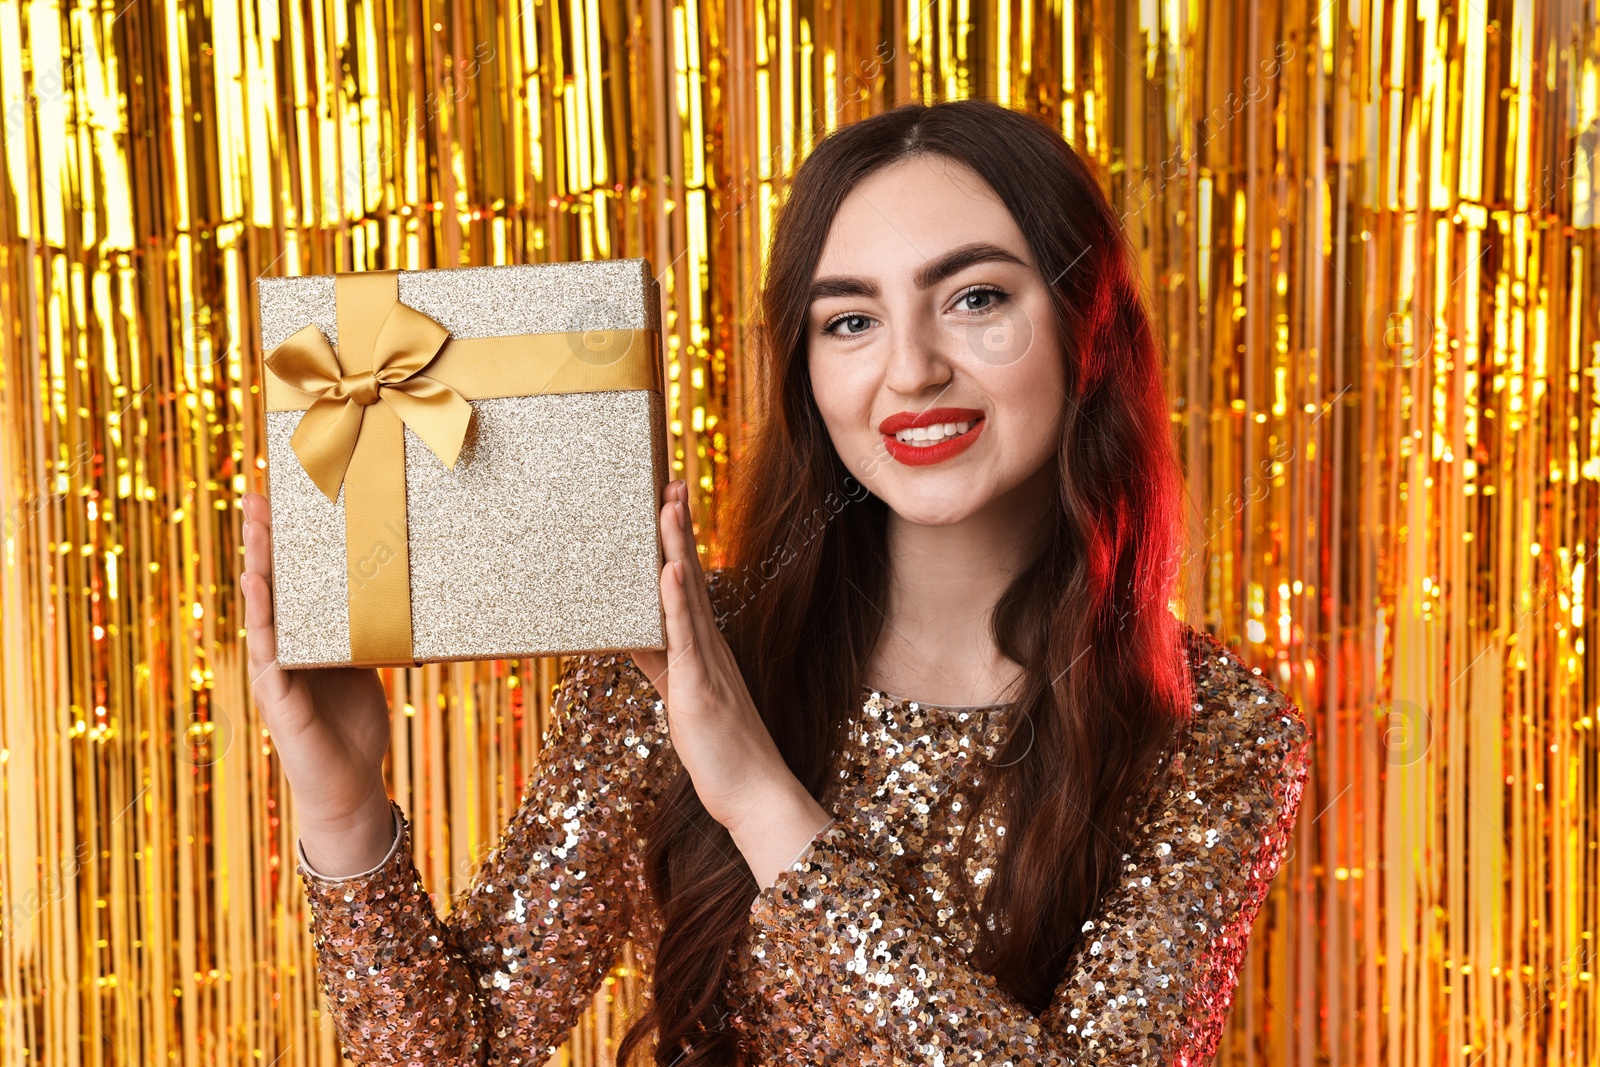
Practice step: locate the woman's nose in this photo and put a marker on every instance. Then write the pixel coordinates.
(914, 360)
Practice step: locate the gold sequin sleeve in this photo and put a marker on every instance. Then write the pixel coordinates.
(1154, 977)
(526, 943)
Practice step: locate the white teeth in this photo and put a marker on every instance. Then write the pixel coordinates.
(931, 435)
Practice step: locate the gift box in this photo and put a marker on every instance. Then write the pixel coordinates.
(464, 463)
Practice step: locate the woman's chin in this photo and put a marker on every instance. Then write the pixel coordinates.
(943, 504)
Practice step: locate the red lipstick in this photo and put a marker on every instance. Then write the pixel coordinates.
(924, 455)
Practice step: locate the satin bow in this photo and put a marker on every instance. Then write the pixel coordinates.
(406, 342)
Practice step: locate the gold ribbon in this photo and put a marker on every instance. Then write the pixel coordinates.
(358, 402)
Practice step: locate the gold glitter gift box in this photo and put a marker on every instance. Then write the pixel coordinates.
(464, 463)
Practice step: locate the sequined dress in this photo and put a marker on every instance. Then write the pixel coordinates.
(857, 954)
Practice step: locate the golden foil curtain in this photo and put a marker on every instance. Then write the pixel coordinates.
(1367, 229)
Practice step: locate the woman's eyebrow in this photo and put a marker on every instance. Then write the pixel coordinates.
(930, 273)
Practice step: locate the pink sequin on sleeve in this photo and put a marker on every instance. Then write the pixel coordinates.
(503, 978)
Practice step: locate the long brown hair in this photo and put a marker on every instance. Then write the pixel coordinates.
(1106, 681)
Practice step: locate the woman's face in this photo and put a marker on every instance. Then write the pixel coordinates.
(927, 308)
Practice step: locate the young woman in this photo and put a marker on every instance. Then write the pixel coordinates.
(929, 772)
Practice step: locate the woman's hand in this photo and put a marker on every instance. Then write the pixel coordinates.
(330, 727)
(737, 770)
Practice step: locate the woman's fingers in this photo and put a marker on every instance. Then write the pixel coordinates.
(683, 648)
(258, 550)
(261, 638)
(654, 662)
(679, 534)
(693, 576)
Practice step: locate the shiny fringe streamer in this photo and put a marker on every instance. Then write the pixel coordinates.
(1368, 233)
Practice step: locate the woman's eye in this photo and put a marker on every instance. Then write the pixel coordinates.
(855, 324)
(986, 299)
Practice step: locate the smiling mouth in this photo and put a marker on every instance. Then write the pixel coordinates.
(929, 445)
(928, 436)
